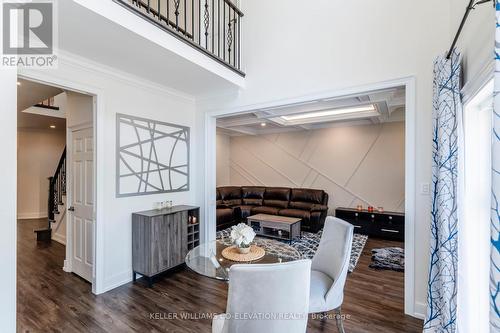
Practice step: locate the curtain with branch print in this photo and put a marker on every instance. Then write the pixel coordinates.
(495, 182)
(447, 113)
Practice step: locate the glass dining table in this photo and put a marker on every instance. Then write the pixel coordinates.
(207, 260)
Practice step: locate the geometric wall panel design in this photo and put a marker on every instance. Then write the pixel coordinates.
(353, 164)
(151, 156)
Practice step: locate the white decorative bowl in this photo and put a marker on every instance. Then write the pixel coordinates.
(244, 250)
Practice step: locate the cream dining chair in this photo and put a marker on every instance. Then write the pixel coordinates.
(329, 268)
(266, 298)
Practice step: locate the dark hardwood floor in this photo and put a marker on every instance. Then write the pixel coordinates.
(50, 300)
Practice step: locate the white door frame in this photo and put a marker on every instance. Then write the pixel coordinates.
(46, 77)
(409, 83)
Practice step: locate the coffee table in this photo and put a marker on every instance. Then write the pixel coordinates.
(274, 226)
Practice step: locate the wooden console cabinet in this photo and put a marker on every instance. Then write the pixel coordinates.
(386, 225)
(162, 238)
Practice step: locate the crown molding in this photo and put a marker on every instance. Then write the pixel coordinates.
(85, 64)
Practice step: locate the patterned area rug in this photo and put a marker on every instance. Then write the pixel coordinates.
(392, 258)
(300, 248)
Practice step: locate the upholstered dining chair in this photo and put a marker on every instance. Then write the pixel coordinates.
(329, 268)
(266, 298)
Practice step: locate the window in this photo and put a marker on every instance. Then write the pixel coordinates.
(474, 210)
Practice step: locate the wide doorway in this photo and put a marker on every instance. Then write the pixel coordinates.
(55, 191)
(349, 152)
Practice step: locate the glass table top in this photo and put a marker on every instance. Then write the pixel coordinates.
(206, 259)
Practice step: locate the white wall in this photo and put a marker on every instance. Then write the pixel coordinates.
(121, 93)
(285, 57)
(8, 236)
(223, 159)
(477, 40)
(182, 58)
(79, 109)
(38, 153)
(338, 45)
(354, 165)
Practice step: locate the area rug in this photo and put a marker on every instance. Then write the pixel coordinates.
(301, 248)
(391, 258)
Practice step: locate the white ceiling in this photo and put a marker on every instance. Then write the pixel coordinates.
(92, 36)
(389, 103)
(30, 93)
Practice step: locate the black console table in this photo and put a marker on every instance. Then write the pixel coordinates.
(386, 225)
(162, 238)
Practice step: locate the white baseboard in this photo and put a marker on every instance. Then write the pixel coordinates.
(420, 310)
(66, 267)
(29, 216)
(116, 281)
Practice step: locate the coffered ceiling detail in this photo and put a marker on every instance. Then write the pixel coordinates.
(375, 107)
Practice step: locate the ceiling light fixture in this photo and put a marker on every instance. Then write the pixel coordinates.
(327, 113)
(52, 126)
(18, 83)
(263, 124)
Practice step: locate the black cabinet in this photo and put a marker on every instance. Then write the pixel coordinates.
(386, 225)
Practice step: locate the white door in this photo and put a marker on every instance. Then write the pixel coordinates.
(81, 211)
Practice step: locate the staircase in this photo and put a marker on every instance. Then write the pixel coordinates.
(56, 227)
(58, 224)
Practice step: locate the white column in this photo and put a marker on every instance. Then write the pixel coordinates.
(8, 183)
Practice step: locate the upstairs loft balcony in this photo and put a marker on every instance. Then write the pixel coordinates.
(211, 26)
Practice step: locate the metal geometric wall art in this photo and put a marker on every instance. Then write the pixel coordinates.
(151, 156)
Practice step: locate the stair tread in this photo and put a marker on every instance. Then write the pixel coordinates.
(42, 229)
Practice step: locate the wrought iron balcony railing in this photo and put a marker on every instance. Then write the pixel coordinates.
(211, 26)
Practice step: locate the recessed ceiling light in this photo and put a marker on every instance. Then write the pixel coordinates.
(18, 83)
(327, 113)
(263, 124)
(52, 126)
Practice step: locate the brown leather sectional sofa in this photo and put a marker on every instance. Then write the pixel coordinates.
(236, 203)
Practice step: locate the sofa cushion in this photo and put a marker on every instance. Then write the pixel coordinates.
(252, 192)
(307, 195)
(276, 197)
(265, 210)
(230, 195)
(252, 202)
(252, 195)
(302, 198)
(224, 215)
(276, 203)
(218, 198)
(319, 208)
(245, 210)
(301, 205)
(301, 214)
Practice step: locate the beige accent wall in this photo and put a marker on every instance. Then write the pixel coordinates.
(223, 160)
(354, 165)
(38, 153)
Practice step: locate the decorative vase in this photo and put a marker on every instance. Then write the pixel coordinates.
(244, 250)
